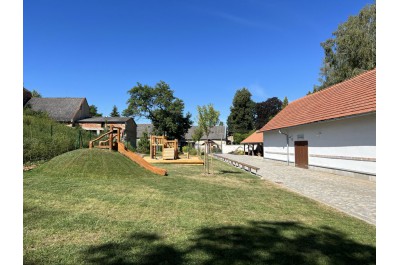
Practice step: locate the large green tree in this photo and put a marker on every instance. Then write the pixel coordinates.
(241, 118)
(266, 110)
(159, 105)
(351, 50)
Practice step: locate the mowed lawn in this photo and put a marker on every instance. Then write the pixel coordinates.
(98, 207)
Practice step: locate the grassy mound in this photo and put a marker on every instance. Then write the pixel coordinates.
(92, 163)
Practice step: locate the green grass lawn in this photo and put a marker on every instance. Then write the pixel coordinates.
(98, 207)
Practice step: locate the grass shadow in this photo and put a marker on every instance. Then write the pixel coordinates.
(255, 243)
(138, 248)
(279, 243)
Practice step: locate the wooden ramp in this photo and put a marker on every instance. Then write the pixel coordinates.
(140, 161)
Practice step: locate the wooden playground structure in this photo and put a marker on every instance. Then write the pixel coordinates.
(113, 142)
(169, 148)
(169, 152)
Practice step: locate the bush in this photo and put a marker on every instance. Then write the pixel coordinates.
(185, 149)
(44, 138)
(193, 152)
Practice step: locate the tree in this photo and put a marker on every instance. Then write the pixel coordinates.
(196, 137)
(239, 137)
(208, 117)
(36, 94)
(352, 50)
(93, 111)
(266, 110)
(241, 118)
(285, 102)
(144, 143)
(159, 105)
(114, 112)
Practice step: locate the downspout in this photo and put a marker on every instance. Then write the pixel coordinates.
(287, 145)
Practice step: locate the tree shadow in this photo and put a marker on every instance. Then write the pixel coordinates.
(255, 243)
(138, 248)
(279, 243)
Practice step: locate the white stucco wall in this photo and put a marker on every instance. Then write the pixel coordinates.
(349, 144)
(231, 148)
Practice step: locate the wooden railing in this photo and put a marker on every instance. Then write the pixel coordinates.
(106, 143)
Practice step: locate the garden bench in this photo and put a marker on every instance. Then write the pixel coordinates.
(238, 164)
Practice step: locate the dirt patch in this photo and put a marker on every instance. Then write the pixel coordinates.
(29, 167)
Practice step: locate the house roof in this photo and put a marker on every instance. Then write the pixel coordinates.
(216, 133)
(60, 109)
(351, 97)
(256, 137)
(141, 128)
(105, 119)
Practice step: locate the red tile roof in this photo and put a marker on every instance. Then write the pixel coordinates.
(256, 137)
(351, 97)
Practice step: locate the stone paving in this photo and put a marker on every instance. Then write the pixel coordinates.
(356, 197)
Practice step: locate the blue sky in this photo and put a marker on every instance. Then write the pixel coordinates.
(205, 50)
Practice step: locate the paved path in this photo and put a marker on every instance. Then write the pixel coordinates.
(353, 196)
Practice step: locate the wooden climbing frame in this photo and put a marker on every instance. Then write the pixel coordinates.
(169, 147)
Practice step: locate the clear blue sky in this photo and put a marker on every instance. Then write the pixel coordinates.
(205, 50)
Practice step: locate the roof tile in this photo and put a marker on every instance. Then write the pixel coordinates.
(351, 97)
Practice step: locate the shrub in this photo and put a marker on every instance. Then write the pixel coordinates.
(193, 151)
(185, 149)
(144, 144)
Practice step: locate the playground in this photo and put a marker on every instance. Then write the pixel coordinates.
(112, 140)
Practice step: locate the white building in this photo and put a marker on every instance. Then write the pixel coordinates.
(332, 130)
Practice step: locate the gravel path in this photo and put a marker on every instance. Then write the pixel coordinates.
(353, 196)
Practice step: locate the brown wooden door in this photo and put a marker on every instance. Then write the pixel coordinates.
(301, 154)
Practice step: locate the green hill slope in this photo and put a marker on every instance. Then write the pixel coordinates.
(93, 163)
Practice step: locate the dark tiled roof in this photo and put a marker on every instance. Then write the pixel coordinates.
(216, 133)
(256, 137)
(144, 127)
(351, 97)
(60, 109)
(105, 119)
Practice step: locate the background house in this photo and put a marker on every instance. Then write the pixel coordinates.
(98, 125)
(333, 129)
(27, 95)
(141, 128)
(65, 110)
(217, 135)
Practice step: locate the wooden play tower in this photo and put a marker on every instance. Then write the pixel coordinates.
(113, 142)
(168, 148)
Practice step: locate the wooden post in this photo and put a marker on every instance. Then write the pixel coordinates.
(151, 146)
(110, 139)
